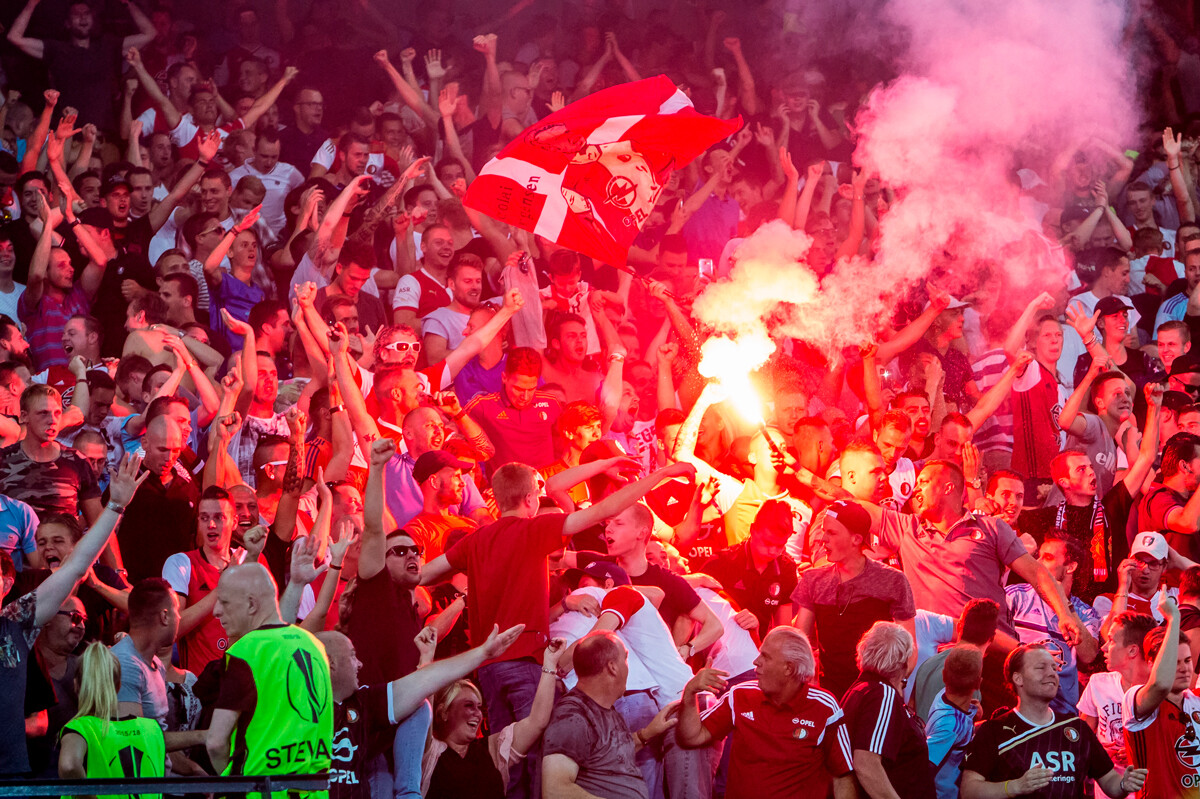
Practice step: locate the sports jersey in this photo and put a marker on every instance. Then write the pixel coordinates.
(788, 750)
(1004, 748)
(644, 630)
(1037, 623)
(949, 730)
(186, 135)
(1102, 699)
(128, 748)
(1165, 743)
(878, 721)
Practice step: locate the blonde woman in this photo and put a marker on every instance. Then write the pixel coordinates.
(458, 762)
(96, 744)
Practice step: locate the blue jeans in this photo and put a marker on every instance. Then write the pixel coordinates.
(639, 709)
(508, 688)
(669, 769)
(407, 750)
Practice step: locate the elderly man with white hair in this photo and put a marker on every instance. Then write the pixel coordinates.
(891, 756)
(788, 735)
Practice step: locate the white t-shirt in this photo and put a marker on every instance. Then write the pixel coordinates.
(645, 632)
(447, 323)
(735, 652)
(8, 302)
(278, 183)
(1103, 698)
(307, 272)
(933, 630)
(572, 625)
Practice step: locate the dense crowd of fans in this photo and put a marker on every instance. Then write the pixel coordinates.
(309, 467)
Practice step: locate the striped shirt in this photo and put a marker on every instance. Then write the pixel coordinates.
(880, 722)
(996, 432)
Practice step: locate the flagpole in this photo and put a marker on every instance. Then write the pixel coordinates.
(648, 281)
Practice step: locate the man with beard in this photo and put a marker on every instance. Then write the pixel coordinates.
(85, 66)
(444, 329)
(917, 408)
(1090, 519)
(951, 556)
(423, 432)
(440, 476)
(520, 419)
(1032, 747)
(13, 345)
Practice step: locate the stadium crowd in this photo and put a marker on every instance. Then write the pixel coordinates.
(310, 467)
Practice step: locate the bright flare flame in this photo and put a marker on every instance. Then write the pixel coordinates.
(730, 361)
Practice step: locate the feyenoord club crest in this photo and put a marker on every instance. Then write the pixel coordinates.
(1072, 736)
(800, 733)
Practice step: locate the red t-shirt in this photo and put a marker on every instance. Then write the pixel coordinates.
(508, 579)
(781, 750)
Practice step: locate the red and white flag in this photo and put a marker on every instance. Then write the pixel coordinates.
(588, 176)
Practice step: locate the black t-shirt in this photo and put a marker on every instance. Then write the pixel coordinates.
(86, 77)
(131, 263)
(383, 623)
(680, 598)
(362, 729)
(1077, 524)
(159, 522)
(298, 148)
(1006, 747)
(762, 593)
(474, 775)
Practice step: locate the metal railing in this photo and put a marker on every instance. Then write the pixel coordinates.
(174, 785)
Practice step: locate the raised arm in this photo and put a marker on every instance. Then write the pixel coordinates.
(1162, 673)
(264, 103)
(1173, 146)
(994, 397)
(1015, 342)
(374, 541)
(60, 583)
(33, 48)
(621, 499)
(408, 95)
(473, 344)
(1135, 476)
(1071, 416)
(146, 32)
(171, 114)
(37, 139)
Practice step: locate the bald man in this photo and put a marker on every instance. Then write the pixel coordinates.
(365, 715)
(276, 692)
(423, 431)
(161, 519)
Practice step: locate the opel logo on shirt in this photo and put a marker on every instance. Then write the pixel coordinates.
(307, 695)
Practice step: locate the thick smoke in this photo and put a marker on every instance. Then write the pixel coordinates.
(984, 89)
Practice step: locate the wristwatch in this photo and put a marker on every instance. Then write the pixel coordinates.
(976, 484)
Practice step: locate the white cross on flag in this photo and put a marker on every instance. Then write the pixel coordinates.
(588, 176)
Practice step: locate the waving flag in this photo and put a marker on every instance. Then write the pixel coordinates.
(588, 176)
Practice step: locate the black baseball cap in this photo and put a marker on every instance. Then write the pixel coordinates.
(433, 462)
(1112, 305)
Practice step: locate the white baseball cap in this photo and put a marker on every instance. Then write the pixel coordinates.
(1153, 544)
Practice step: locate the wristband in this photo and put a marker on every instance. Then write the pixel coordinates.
(458, 415)
(335, 568)
(336, 409)
(115, 507)
(74, 223)
(203, 163)
(551, 672)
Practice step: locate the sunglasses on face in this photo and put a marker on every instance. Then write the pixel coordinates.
(75, 616)
(404, 550)
(403, 346)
